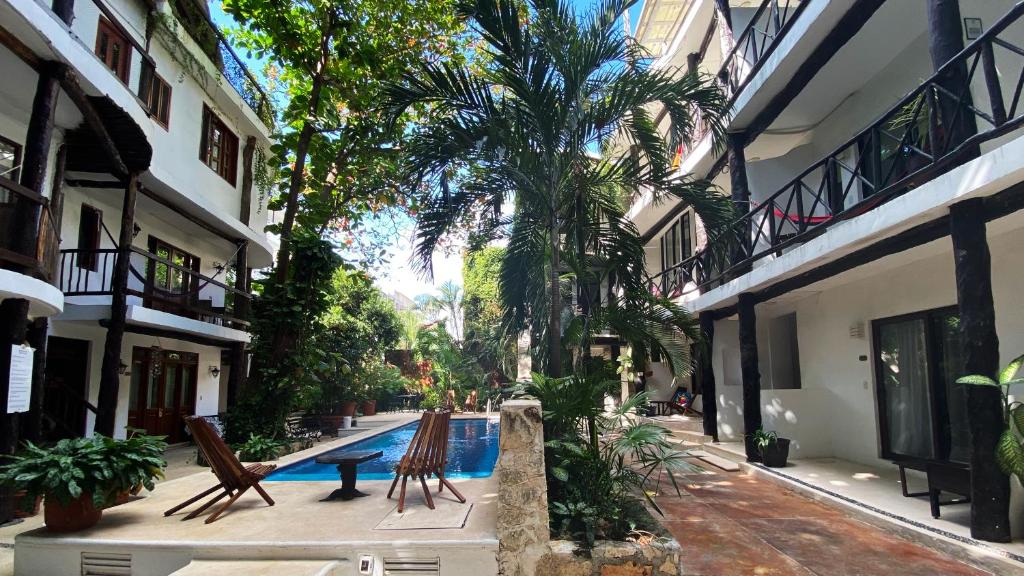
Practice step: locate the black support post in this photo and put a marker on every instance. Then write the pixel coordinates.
(946, 40)
(13, 328)
(32, 423)
(751, 374)
(236, 377)
(707, 374)
(110, 379)
(990, 487)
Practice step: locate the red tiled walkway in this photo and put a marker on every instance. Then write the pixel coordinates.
(730, 524)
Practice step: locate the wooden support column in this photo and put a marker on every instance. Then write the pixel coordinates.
(237, 375)
(706, 370)
(751, 374)
(110, 379)
(990, 487)
(740, 189)
(245, 204)
(946, 40)
(32, 423)
(64, 9)
(13, 327)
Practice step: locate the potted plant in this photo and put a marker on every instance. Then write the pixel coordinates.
(135, 463)
(79, 477)
(774, 450)
(1010, 455)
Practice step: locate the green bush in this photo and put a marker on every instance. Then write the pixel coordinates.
(260, 448)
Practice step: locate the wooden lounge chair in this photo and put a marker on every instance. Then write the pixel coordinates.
(426, 457)
(682, 403)
(234, 478)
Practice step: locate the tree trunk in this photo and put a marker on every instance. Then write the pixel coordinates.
(110, 379)
(945, 40)
(32, 425)
(751, 375)
(555, 312)
(990, 487)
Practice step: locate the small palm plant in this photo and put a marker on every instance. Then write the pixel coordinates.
(1010, 450)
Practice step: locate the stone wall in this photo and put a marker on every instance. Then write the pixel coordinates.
(522, 489)
(658, 558)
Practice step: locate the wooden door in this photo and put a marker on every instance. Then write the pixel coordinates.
(65, 386)
(173, 289)
(163, 392)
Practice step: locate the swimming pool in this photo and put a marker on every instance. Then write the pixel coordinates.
(472, 453)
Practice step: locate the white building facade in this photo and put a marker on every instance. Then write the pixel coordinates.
(154, 156)
(866, 139)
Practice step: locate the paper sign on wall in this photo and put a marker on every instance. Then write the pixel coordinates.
(19, 392)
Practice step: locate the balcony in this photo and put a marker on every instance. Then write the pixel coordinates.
(969, 103)
(767, 26)
(28, 234)
(161, 284)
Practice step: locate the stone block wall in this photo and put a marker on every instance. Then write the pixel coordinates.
(522, 523)
(660, 557)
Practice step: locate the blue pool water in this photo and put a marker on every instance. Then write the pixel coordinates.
(472, 453)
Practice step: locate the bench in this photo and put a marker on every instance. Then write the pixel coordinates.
(347, 460)
(302, 428)
(951, 477)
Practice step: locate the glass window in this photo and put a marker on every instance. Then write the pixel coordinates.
(923, 411)
(113, 49)
(156, 94)
(10, 162)
(219, 146)
(784, 354)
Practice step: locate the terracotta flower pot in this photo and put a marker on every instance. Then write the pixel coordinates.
(330, 421)
(24, 509)
(79, 514)
(348, 408)
(369, 407)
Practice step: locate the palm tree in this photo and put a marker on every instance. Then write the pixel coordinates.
(554, 116)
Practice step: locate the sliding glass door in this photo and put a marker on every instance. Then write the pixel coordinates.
(922, 411)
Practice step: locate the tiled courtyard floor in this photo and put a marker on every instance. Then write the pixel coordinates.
(731, 524)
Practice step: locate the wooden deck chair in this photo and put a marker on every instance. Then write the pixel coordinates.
(234, 478)
(426, 456)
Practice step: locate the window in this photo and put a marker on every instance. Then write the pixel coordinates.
(10, 159)
(686, 235)
(922, 411)
(156, 93)
(783, 354)
(90, 226)
(113, 48)
(219, 146)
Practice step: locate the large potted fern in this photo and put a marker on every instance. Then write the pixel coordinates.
(79, 477)
(1010, 450)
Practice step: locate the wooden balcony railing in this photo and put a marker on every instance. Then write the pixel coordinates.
(768, 25)
(916, 140)
(162, 284)
(28, 235)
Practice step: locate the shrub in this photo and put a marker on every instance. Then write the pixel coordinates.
(260, 448)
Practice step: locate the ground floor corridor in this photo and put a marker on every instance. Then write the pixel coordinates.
(732, 524)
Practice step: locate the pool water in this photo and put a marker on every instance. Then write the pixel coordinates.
(472, 453)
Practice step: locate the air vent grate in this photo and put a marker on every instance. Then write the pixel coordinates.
(104, 564)
(412, 567)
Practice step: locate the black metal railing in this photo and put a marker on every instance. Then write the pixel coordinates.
(922, 136)
(161, 283)
(28, 233)
(769, 24)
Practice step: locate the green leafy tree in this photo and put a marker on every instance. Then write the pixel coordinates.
(554, 119)
(482, 311)
(327, 62)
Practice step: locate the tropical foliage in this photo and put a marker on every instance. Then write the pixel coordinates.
(551, 131)
(100, 467)
(1010, 449)
(597, 461)
(326, 63)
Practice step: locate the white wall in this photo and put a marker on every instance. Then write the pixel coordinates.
(834, 414)
(207, 386)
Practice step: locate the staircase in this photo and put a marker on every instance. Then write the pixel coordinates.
(688, 434)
